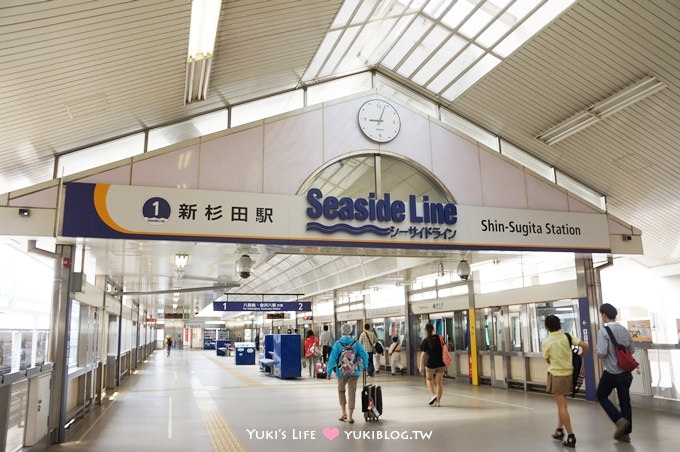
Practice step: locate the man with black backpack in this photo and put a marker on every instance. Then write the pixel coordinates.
(610, 335)
(557, 351)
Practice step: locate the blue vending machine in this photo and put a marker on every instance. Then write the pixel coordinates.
(287, 356)
(244, 353)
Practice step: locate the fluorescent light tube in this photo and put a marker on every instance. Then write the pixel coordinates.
(614, 103)
(205, 15)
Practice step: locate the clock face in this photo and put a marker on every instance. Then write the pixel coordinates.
(379, 121)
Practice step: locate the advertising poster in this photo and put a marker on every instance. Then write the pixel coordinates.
(41, 347)
(677, 323)
(5, 352)
(26, 349)
(640, 330)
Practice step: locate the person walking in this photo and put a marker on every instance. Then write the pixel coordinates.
(348, 358)
(168, 343)
(557, 352)
(312, 351)
(368, 339)
(326, 339)
(431, 361)
(394, 352)
(612, 375)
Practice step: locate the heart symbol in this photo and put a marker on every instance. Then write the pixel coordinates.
(331, 433)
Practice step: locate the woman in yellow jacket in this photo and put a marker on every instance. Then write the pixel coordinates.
(557, 351)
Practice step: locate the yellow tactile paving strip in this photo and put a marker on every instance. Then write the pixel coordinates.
(222, 437)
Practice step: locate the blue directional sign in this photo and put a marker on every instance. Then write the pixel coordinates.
(262, 306)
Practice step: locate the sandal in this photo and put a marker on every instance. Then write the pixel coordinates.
(351, 421)
(342, 418)
(559, 434)
(570, 442)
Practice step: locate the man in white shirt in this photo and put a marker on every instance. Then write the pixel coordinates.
(326, 340)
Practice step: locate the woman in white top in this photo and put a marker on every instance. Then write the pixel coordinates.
(395, 356)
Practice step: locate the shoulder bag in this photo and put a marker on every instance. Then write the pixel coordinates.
(446, 356)
(624, 357)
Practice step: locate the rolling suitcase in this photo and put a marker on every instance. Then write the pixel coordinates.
(320, 370)
(371, 401)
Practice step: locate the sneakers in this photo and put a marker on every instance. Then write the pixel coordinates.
(621, 428)
(432, 401)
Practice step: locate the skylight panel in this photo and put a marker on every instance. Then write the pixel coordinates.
(345, 13)
(422, 51)
(458, 12)
(481, 18)
(391, 36)
(374, 34)
(509, 19)
(413, 35)
(435, 8)
(450, 49)
(542, 17)
(364, 11)
(339, 51)
(321, 54)
(475, 73)
(457, 66)
(353, 59)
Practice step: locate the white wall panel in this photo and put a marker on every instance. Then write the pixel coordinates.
(173, 169)
(292, 151)
(342, 135)
(577, 206)
(413, 140)
(502, 182)
(43, 198)
(233, 162)
(116, 176)
(617, 228)
(455, 162)
(543, 196)
(40, 223)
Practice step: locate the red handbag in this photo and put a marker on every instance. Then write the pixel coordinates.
(625, 358)
(446, 356)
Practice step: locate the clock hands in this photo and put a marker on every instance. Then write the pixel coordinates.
(380, 119)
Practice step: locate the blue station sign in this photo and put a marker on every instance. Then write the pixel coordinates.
(262, 306)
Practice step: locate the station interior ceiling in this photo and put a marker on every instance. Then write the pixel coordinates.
(74, 74)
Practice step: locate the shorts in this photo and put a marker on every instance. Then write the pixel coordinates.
(559, 385)
(431, 371)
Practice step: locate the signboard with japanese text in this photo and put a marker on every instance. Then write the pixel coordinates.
(318, 219)
(262, 306)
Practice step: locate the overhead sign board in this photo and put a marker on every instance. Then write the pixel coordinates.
(262, 306)
(318, 219)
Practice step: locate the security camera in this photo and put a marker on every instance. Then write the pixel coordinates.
(244, 266)
(463, 270)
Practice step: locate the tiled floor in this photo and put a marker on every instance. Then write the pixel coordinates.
(196, 401)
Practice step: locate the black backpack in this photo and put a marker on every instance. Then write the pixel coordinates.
(579, 373)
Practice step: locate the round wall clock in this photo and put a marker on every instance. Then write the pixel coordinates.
(379, 120)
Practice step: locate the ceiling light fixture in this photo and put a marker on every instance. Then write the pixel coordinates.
(205, 15)
(181, 260)
(618, 101)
